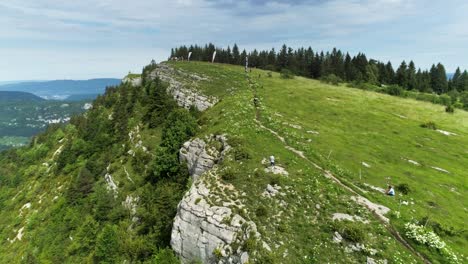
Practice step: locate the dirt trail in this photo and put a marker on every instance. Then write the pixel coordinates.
(377, 210)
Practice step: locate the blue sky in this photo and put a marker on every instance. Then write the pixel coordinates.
(56, 39)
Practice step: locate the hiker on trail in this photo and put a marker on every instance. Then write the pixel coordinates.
(390, 191)
(272, 160)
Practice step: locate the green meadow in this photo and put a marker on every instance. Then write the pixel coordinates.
(366, 139)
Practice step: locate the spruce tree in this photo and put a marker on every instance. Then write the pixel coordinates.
(438, 79)
(455, 84)
(402, 75)
(411, 76)
(235, 55)
(282, 60)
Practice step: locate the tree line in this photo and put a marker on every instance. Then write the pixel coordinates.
(313, 64)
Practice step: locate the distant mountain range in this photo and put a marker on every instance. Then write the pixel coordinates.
(62, 89)
(9, 96)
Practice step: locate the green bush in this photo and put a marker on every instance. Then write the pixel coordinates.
(241, 154)
(350, 231)
(165, 256)
(269, 67)
(354, 233)
(286, 74)
(269, 74)
(331, 79)
(449, 109)
(261, 211)
(274, 180)
(403, 188)
(228, 174)
(445, 100)
(394, 90)
(429, 125)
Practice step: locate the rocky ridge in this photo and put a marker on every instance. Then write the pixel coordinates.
(184, 95)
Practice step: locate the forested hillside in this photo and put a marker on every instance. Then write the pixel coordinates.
(8, 96)
(91, 191)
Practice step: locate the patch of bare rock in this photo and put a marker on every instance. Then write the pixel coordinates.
(184, 95)
(206, 228)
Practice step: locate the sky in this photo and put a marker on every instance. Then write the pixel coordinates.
(56, 39)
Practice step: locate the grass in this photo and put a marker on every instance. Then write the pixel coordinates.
(354, 126)
(133, 75)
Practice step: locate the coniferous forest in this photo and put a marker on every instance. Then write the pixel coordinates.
(337, 66)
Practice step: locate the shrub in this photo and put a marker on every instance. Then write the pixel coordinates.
(235, 142)
(354, 233)
(331, 79)
(429, 125)
(261, 211)
(445, 99)
(269, 74)
(228, 174)
(350, 231)
(394, 90)
(286, 74)
(269, 67)
(217, 254)
(241, 154)
(165, 256)
(403, 188)
(274, 180)
(250, 244)
(449, 109)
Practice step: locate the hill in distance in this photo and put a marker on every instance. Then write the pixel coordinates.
(13, 96)
(61, 89)
(141, 179)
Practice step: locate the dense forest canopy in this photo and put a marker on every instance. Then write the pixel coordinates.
(313, 64)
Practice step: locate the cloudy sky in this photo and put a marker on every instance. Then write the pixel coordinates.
(56, 39)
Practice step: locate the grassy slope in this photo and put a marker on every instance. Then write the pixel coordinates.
(355, 126)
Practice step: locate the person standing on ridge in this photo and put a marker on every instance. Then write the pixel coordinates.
(272, 160)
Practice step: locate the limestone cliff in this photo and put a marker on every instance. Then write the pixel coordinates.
(185, 95)
(206, 228)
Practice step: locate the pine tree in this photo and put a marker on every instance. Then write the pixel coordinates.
(411, 74)
(402, 75)
(455, 84)
(236, 58)
(438, 79)
(272, 58)
(348, 68)
(282, 60)
(463, 82)
(107, 245)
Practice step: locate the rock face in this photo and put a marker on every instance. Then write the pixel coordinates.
(200, 157)
(132, 81)
(184, 95)
(202, 230)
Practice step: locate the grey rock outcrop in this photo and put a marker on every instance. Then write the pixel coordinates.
(200, 156)
(136, 81)
(203, 229)
(184, 95)
(200, 229)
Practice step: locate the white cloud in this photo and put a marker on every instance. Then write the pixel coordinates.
(102, 28)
